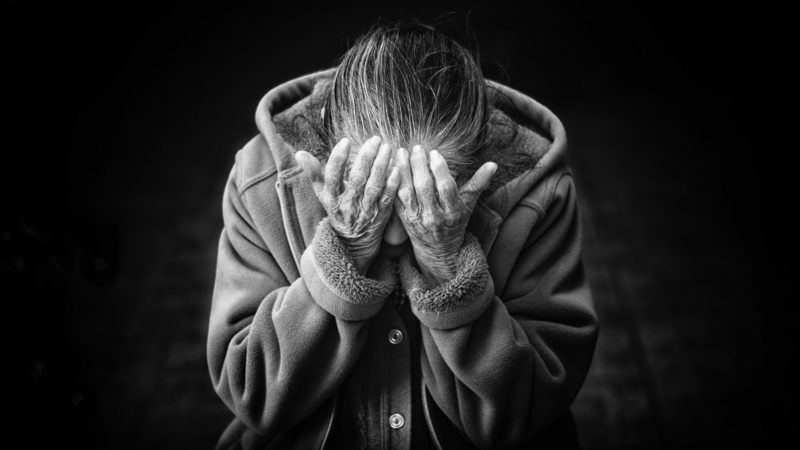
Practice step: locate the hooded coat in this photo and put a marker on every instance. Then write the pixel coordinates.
(308, 353)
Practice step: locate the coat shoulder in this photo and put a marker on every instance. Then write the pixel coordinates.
(254, 163)
(542, 194)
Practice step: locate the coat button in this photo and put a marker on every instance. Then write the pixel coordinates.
(395, 336)
(397, 421)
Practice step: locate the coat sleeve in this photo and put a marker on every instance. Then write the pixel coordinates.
(278, 349)
(502, 369)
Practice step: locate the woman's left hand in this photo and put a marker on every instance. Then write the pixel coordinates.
(434, 210)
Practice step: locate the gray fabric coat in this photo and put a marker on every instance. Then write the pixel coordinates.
(504, 347)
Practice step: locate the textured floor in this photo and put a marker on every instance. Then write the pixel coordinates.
(116, 257)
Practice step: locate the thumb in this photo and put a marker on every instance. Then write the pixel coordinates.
(300, 156)
(477, 184)
(312, 167)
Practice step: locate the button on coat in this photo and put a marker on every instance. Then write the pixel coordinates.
(395, 336)
(397, 421)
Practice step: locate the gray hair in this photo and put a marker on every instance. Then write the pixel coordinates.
(410, 84)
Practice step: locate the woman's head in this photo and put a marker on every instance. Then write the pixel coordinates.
(410, 84)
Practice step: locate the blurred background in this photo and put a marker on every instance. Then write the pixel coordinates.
(124, 122)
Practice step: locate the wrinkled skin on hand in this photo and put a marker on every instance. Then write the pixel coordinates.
(358, 209)
(435, 211)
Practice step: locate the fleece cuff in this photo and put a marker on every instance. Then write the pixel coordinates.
(336, 284)
(458, 301)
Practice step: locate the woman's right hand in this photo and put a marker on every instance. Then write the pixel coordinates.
(360, 208)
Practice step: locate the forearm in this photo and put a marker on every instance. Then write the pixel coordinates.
(275, 359)
(278, 366)
(500, 381)
(499, 370)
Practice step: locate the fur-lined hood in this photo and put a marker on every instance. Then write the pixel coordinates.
(525, 138)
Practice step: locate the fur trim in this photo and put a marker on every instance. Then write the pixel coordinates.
(301, 124)
(515, 148)
(340, 274)
(468, 284)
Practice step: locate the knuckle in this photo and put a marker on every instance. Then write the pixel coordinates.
(347, 208)
(426, 190)
(363, 167)
(386, 201)
(423, 183)
(452, 220)
(405, 195)
(372, 190)
(429, 219)
(357, 178)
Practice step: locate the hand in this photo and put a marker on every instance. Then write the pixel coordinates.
(359, 209)
(434, 211)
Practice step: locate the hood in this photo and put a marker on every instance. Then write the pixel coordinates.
(525, 139)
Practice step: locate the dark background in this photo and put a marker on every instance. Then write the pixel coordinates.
(122, 124)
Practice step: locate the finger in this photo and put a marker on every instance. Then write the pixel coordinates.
(445, 184)
(377, 177)
(334, 169)
(405, 192)
(360, 171)
(390, 190)
(423, 181)
(398, 206)
(480, 180)
(313, 168)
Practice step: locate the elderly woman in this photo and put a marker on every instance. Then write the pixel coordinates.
(400, 265)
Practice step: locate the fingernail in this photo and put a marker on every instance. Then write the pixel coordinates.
(376, 139)
(417, 148)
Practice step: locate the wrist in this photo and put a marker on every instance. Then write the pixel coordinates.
(457, 301)
(438, 269)
(362, 253)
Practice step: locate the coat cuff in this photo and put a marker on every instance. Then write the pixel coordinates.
(336, 284)
(457, 302)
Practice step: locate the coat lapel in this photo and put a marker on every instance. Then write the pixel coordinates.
(300, 208)
(484, 224)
